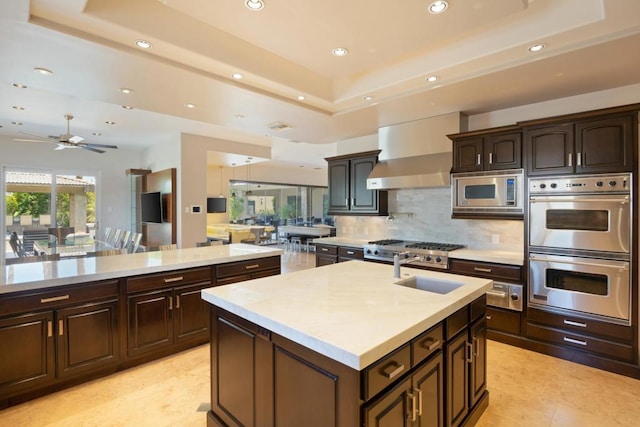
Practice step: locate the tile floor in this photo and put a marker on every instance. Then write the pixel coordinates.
(526, 389)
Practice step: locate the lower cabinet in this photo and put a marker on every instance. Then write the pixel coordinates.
(330, 254)
(259, 378)
(246, 270)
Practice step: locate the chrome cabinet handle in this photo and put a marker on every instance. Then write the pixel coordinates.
(574, 341)
(54, 299)
(350, 252)
(60, 327)
(579, 159)
(572, 323)
(173, 279)
(479, 160)
(346, 202)
(251, 267)
(490, 158)
(570, 160)
(324, 249)
(482, 270)
(430, 343)
(397, 368)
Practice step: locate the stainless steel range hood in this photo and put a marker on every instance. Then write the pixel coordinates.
(416, 154)
(429, 170)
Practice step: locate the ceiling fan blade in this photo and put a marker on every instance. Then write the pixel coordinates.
(100, 145)
(75, 139)
(60, 147)
(88, 147)
(43, 138)
(30, 140)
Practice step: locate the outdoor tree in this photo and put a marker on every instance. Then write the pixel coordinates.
(27, 204)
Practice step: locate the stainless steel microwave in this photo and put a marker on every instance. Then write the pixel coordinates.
(491, 192)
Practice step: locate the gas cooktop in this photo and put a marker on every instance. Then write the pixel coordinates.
(429, 254)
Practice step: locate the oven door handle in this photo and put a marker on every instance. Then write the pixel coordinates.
(610, 264)
(579, 199)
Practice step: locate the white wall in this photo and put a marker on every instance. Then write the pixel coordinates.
(108, 167)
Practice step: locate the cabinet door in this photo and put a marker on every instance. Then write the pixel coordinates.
(87, 337)
(503, 151)
(191, 313)
(362, 199)
(429, 380)
(550, 150)
(241, 391)
(457, 379)
(27, 358)
(339, 197)
(467, 154)
(150, 321)
(325, 260)
(392, 410)
(605, 145)
(478, 374)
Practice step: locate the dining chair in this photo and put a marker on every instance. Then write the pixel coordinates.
(108, 252)
(106, 234)
(134, 243)
(171, 247)
(124, 239)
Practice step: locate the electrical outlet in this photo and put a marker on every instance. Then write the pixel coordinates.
(495, 239)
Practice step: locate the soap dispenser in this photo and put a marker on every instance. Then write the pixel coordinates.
(396, 266)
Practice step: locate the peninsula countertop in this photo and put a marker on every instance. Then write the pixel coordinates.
(351, 312)
(40, 275)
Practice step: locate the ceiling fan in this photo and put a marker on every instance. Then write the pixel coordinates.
(67, 140)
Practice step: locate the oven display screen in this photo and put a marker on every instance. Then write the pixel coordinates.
(588, 283)
(576, 219)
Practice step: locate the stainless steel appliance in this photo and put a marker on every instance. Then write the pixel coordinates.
(423, 254)
(580, 245)
(499, 192)
(505, 295)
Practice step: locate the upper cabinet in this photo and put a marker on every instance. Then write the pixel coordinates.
(590, 144)
(491, 149)
(348, 193)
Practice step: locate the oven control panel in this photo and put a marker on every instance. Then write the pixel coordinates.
(618, 183)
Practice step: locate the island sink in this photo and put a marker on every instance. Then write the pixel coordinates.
(430, 284)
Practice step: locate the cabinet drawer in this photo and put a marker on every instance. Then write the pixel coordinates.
(23, 302)
(581, 342)
(581, 325)
(386, 371)
(244, 267)
(170, 278)
(329, 250)
(503, 320)
(493, 271)
(478, 308)
(456, 322)
(426, 344)
(351, 253)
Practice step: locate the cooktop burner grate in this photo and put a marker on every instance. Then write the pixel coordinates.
(434, 246)
(385, 242)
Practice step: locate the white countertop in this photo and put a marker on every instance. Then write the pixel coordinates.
(342, 241)
(39, 275)
(351, 311)
(488, 255)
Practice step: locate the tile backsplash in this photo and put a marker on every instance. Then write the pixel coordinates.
(425, 215)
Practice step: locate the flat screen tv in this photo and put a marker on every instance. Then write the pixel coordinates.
(151, 207)
(216, 204)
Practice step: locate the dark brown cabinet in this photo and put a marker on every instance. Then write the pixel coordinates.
(165, 310)
(246, 270)
(330, 254)
(348, 193)
(491, 149)
(597, 145)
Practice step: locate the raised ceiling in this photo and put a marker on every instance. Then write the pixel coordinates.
(477, 48)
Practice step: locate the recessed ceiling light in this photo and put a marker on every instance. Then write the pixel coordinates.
(236, 76)
(126, 90)
(109, 122)
(367, 98)
(254, 4)
(432, 78)
(97, 134)
(438, 6)
(238, 117)
(19, 86)
(536, 47)
(300, 97)
(43, 71)
(127, 107)
(17, 123)
(143, 44)
(189, 105)
(17, 107)
(339, 51)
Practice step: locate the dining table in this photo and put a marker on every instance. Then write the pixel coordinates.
(84, 248)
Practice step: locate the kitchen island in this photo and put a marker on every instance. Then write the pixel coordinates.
(68, 321)
(349, 345)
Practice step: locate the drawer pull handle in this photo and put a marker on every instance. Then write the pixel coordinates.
(469, 352)
(488, 317)
(49, 329)
(324, 249)
(574, 341)
(170, 303)
(173, 279)
(350, 252)
(572, 323)
(430, 344)
(482, 269)
(251, 267)
(60, 327)
(177, 301)
(54, 299)
(397, 368)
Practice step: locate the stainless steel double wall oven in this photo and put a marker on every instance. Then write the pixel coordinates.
(580, 234)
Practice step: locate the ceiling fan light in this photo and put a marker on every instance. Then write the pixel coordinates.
(43, 71)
